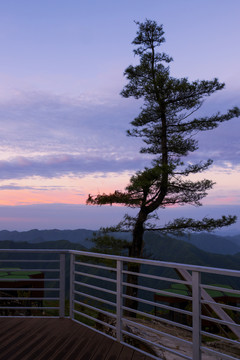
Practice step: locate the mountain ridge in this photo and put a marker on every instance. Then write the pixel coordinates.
(211, 243)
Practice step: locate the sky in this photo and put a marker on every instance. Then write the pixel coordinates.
(63, 121)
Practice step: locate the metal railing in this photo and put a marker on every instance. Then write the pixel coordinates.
(32, 283)
(160, 308)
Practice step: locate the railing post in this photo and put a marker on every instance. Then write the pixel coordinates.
(119, 301)
(71, 297)
(196, 314)
(62, 286)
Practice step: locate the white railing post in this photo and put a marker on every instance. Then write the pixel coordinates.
(71, 296)
(62, 286)
(119, 301)
(196, 315)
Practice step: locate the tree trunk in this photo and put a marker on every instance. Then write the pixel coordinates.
(135, 251)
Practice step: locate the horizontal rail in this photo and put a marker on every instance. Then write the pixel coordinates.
(157, 277)
(172, 265)
(162, 292)
(96, 330)
(216, 353)
(30, 316)
(95, 276)
(218, 321)
(95, 309)
(221, 289)
(29, 270)
(29, 308)
(94, 319)
(229, 307)
(221, 338)
(94, 298)
(158, 263)
(28, 299)
(95, 266)
(158, 332)
(31, 289)
(159, 305)
(28, 261)
(95, 287)
(31, 280)
(157, 345)
(157, 318)
(36, 251)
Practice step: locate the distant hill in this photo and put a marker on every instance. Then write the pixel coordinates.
(169, 249)
(157, 247)
(79, 236)
(228, 245)
(57, 244)
(235, 239)
(214, 243)
(208, 242)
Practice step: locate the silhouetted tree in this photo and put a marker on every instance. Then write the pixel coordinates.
(167, 126)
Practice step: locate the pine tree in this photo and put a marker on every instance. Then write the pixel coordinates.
(167, 125)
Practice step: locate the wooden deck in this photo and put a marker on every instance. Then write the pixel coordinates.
(58, 339)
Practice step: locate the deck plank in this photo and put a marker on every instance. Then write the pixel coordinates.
(58, 339)
(115, 351)
(126, 353)
(13, 341)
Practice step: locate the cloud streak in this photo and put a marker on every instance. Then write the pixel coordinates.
(79, 129)
(59, 165)
(62, 121)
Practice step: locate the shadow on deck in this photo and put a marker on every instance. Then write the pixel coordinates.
(58, 339)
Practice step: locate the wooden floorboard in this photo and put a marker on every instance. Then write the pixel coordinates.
(58, 339)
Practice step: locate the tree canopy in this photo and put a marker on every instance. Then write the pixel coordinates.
(167, 125)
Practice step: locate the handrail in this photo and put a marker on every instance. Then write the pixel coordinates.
(27, 285)
(121, 303)
(203, 269)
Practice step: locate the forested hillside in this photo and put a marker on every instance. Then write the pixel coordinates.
(155, 247)
(208, 242)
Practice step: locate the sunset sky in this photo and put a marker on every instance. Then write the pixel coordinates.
(63, 122)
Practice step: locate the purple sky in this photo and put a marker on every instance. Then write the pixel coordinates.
(63, 122)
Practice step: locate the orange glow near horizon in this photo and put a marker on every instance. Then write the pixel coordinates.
(72, 190)
(27, 197)
(66, 190)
